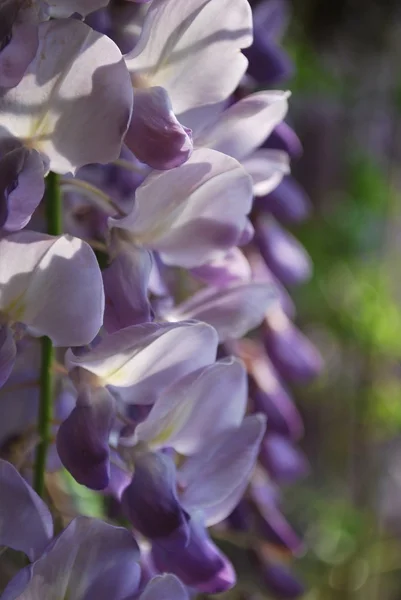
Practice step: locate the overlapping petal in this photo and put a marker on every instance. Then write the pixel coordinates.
(138, 362)
(201, 405)
(232, 310)
(187, 48)
(74, 102)
(245, 125)
(192, 215)
(89, 560)
(214, 480)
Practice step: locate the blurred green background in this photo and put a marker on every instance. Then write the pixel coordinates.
(346, 108)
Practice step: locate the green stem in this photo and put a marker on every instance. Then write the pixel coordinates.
(45, 415)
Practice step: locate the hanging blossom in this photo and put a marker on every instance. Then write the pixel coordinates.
(151, 418)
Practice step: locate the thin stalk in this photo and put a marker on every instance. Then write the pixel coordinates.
(45, 415)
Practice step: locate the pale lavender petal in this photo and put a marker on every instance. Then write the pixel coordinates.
(53, 285)
(199, 406)
(245, 125)
(200, 564)
(82, 439)
(233, 267)
(154, 135)
(267, 169)
(232, 310)
(25, 521)
(90, 560)
(196, 56)
(150, 501)
(164, 587)
(214, 480)
(126, 288)
(200, 209)
(78, 76)
(138, 362)
(8, 353)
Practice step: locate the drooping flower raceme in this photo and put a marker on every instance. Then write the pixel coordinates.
(144, 412)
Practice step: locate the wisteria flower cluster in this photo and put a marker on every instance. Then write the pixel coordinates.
(142, 182)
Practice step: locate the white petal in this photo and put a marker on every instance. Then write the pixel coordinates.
(74, 102)
(245, 125)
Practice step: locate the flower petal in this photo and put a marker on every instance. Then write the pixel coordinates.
(267, 168)
(74, 102)
(284, 255)
(82, 439)
(25, 521)
(139, 362)
(189, 50)
(200, 209)
(21, 185)
(245, 125)
(53, 285)
(222, 271)
(18, 40)
(126, 288)
(200, 564)
(90, 559)
(164, 587)
(154, 134)
(201, 405)
(290, 351)
(232, 311)
(215, 479)
(150, 501)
